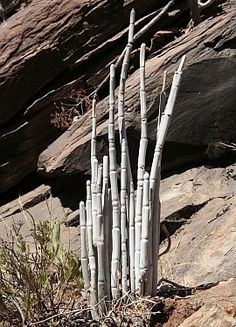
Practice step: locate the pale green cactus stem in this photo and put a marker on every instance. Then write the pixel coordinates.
(120, 232)
(121, 94)
(155, 169)
(144, 264)
(91, 254)
(111, 127)
(131, 233)
(98, 187)
(123, 202)
(154, 20)
(107, 213)
(100, 246)
(123, 77)
(116, 242)
(141, 165)
(162, 102)
(156, 202)
(94, 134)
(94, 167)
(83, 250)
(116, 250)
(138, 231)
(105, 179)
(123, 136)
(155, 220)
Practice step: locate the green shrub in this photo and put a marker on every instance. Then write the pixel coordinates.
(40, 278)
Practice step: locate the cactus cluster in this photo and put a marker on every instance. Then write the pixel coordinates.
(120, 226)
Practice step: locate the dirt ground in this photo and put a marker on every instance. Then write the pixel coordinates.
(172, 312)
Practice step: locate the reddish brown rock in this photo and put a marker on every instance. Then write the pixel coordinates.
(205, 109)
(53, 45)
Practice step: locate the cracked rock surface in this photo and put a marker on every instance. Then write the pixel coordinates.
(204, 248)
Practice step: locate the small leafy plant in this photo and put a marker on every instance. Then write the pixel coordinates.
(38, 279)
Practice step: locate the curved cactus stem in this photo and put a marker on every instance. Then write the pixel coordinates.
(120, 232)
(123, 136)
(165, 121)
(154, 20)
(123, 77)
(121, 94)
(153, 245)
(156, 168)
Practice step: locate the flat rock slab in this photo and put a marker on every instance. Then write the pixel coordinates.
(34, 207)
(25, 201)
(195, 187)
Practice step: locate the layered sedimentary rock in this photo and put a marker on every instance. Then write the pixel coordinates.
(57, 45)
(204, 113)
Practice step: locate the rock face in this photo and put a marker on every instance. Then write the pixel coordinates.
(214, 307)
(76, 49)
(205, 110)
(217, 307)
(53, 45)
(200, 205)
(40, 205)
